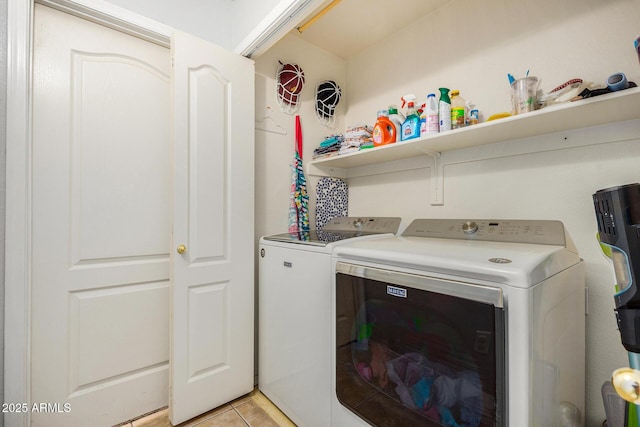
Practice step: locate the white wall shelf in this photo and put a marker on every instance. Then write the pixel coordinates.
(604, 109)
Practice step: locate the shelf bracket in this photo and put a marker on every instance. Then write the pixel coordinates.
(437, 177)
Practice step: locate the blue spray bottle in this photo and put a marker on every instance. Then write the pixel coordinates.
(411, 125)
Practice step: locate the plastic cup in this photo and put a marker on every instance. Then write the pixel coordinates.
(523, 94)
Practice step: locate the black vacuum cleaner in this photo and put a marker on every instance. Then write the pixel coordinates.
(618, 215)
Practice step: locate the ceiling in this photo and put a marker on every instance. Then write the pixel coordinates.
(353, 25)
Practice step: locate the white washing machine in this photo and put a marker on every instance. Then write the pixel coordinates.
(460, 323)
(294, 314)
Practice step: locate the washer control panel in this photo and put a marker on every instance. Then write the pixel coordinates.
(514, 231)
(364, 224)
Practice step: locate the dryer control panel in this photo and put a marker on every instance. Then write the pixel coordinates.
(544, 232)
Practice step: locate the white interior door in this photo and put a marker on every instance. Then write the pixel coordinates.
(212, 344)
(100, 265)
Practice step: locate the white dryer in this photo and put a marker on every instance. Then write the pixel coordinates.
(460, 323)
(294, 314)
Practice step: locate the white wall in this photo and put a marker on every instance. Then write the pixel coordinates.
(207, 19)
(223, 22)
(274, 152)
(247, 15)
(473, 47)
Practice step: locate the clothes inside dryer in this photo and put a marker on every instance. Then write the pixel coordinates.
(402, 348)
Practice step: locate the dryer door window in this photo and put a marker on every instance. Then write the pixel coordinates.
(414, 350)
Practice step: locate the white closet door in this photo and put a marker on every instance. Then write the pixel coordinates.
(100, 266)
(212, 338)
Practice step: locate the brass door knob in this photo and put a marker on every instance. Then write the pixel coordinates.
(181, 249)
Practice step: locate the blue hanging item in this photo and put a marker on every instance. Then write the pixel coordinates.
(299, 201)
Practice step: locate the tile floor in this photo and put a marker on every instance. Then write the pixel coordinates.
(252, 410)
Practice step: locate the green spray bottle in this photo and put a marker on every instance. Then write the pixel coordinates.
(444, 110)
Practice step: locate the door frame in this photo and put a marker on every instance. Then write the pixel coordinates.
(17, 280)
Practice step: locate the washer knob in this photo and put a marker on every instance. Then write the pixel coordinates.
(469, 227)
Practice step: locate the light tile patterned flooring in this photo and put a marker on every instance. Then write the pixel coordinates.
(252, 410)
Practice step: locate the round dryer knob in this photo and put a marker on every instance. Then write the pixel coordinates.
(469, 227)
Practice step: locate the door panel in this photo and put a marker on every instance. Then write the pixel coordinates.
(213, 281)
(90, 314)
(100, 266)
(208, 322)
(134, 158)
(208, 184)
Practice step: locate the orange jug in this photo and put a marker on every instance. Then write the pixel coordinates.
(384, 131)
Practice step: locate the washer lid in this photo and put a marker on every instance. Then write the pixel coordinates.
(515, 264)
(341, 228)
(313, 237)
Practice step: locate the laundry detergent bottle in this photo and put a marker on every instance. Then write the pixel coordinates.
(411, 125)
(384, 131)
(397, 119)
(444, 110)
